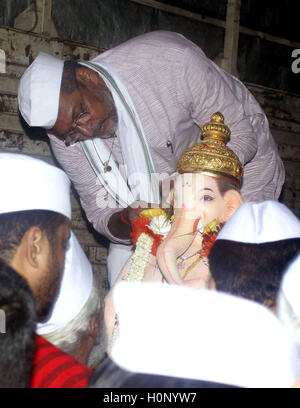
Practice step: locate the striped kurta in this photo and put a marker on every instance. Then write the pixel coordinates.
(52, 368)
(175, 89)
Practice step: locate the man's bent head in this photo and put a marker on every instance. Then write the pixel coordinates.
(69, 99)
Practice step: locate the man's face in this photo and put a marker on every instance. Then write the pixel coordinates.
(50, 277)
(87, 112)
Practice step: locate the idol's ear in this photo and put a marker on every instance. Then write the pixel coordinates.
(167, 191)
(233, 200)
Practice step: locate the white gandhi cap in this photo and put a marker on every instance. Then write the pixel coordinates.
(39, 89)
(27, 183)
(290, 285)
(200, 334)
(75, 289)
(31, 184)
(256, 223)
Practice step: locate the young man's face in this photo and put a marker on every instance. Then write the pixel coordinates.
(48, 282)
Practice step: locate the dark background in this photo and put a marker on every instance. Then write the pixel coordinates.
(106, 23)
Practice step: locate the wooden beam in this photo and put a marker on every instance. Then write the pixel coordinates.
(46, 9)
(2, 62)
(229, 62)
(180, 12)
(216, 22)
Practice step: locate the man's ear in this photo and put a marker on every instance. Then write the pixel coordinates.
(29, 256)
(167, 192)
(233, 200)
(88, 77)
(34, 246)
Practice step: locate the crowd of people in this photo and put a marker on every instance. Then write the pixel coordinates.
(174, 162)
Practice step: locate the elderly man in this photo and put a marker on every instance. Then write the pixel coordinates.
(35, 213)
(73, 324)
(141, 104)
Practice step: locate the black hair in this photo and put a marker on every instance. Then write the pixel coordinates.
(110, 375)
(17, 343)
(13, 227)
(252, 271)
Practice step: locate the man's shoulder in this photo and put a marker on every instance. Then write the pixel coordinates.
(160, 36)
(144, 43)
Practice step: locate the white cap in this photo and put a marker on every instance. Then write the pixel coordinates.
(75, 289)
(31, 184)
(39, 89)
(290, 286)
(256, 223)
(182, 332)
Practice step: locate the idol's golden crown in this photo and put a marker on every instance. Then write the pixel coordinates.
(211, 156)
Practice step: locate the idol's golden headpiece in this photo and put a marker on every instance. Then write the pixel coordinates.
(211, 156)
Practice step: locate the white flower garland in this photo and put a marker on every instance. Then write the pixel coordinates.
(140, 257)
(159, 225)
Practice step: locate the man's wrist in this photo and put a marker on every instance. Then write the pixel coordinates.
(124, 217)
(119, 226)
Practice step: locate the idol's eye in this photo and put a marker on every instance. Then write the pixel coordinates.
(206, 197)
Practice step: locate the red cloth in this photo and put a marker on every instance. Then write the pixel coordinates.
(52, 368)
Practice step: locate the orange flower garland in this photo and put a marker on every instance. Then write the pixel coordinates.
(209, 238)
(141, 225)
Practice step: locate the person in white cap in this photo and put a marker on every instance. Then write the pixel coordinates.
(35, 213)
(253, 250)
(215, 338)
(288, 302)
(141, 104)
(74, 322)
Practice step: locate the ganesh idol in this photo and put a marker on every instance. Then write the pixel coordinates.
(173, 246)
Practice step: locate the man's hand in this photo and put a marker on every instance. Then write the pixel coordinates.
(132, 212)
(120, 223)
